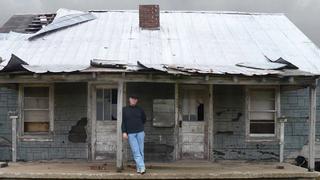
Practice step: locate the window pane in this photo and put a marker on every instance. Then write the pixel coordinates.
(107, 104)
(99, 94)
(262, 105)
(114, 96)
(264, 94)
(262, 116)
(201, 112)
(262, 100)
(36, 91)
(114, 104)
(99, 113)
(36, 116)
(262, 128)
(36, 103)
(36, 126)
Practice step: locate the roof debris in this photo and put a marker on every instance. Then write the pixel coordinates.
(64, 21)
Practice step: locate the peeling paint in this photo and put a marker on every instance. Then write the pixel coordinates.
(78, 133)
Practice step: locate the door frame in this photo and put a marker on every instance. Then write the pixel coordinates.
(207, 118)
(91, 113)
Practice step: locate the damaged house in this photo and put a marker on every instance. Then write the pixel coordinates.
(214, 85)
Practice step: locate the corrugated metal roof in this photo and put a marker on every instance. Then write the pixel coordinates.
(194, 42)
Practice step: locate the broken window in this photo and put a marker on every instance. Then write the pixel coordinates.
(262, 111)
(106, 106)
(192, 105)
(36, 108)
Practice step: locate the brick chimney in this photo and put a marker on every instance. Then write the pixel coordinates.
(149, 16)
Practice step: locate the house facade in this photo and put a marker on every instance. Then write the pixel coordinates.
(214, 86)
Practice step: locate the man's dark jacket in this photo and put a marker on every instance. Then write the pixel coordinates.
(133, 119)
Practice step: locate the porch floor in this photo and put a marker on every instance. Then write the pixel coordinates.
(172, 170)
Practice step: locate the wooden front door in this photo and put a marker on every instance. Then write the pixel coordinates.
(105, 118)
(193, 122)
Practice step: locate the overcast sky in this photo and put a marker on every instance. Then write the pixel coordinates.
(304, 13)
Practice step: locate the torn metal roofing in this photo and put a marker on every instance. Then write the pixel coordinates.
(186, 43)
(64, 20)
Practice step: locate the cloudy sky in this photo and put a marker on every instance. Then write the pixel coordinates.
(304, 13)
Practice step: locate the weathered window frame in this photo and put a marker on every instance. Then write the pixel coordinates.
(103, 87)
(262, 137)
(36, 136)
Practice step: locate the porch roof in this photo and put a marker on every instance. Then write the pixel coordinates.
(188, 42)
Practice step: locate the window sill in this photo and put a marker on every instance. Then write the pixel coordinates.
(262, 139)
(36, 137)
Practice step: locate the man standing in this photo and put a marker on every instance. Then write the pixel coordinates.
(133, 119)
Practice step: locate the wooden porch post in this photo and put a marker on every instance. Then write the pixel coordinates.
(176, 124)
(119, 163)
(210, 123)
(14, 137)
(312, 125)
(91, 121)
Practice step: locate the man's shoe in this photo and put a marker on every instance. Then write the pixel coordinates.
(142, 171)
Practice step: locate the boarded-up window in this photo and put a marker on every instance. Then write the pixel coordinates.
(262, 111)
(36, 109)
(106, 107)
(163, 112)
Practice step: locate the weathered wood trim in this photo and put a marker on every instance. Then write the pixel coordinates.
(51, 107)
(262, 138)
(89, 118)
(312, 126)
(176, 123)
(20, 109)
(119, 162)
(161, 78)
(14, 137)
(279, 125)
(210, 124)
(37, 136)
(278, 110)
(125, 143)
(92, 90)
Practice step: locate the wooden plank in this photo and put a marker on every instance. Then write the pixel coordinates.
(89, 119)
(14, 138)
(176, 124)
(92, 118)
(51, 107)
(281, 142)
(36, 126)
(145, 77)
(210, 123)
(125, 143)
(3, 164)
(119, 162)
(163, 113)
(279, 130)
(312, 127)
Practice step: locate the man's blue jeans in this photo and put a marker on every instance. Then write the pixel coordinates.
(136, 141)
